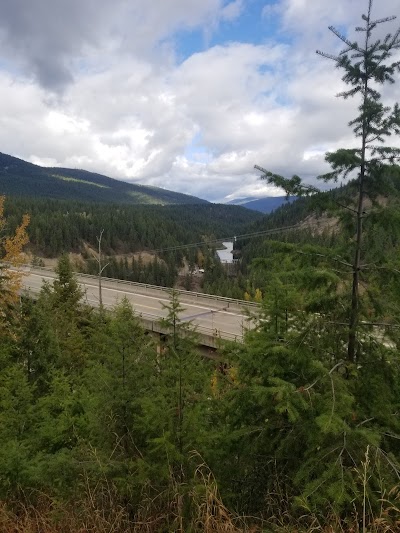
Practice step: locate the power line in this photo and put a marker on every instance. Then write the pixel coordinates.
(230, 238)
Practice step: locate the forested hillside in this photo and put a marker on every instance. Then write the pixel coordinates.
(105, 427)
(315, 221)
(103, 430)
(64, 226)
(17, 177)
(263, 205)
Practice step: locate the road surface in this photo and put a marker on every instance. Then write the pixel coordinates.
(212, 316)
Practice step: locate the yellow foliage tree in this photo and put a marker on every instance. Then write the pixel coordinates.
(258, 296)
(10, 255)
(200, 259)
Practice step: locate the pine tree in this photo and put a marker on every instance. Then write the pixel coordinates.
(122, 360)
(67, 292)
(67, 315)
(180, 392)
(366, 66)
(297, 419)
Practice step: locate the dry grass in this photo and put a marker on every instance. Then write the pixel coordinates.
(186, 507)
(180, 508)
(211, 516)
(48, 516)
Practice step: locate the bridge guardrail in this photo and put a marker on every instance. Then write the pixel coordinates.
(154, 320)
(196, 295)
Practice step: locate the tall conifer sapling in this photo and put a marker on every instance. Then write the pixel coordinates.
(367, 66)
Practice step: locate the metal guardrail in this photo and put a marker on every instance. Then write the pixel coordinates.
(153, 324)
(192, 294)
(212, 335)
(203, 330)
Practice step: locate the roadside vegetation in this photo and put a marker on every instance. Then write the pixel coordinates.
(297, 429)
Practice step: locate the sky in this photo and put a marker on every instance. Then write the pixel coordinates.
(187, 95)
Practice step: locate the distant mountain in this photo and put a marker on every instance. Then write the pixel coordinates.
(263, 205)
(18, 177)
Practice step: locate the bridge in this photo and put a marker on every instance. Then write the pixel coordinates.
(213, 317)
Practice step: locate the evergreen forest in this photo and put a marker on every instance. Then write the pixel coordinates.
(61, 226)
(105, 428)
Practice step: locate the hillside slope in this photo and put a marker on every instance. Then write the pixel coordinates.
(18, 177)
(263, 205)
(323, 218)
(65, 225)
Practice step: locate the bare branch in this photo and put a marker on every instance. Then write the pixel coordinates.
(337, 259)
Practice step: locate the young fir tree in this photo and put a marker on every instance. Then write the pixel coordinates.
(67, 317)
(180, 388)
(367, 65)
(295, 419)
(177, 350)
(66, 290)
(117, 376)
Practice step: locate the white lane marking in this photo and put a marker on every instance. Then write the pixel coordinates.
(160, 299)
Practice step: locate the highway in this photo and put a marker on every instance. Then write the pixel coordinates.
(213, 317)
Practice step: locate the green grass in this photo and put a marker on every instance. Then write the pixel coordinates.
(67, 178)
(145, 198)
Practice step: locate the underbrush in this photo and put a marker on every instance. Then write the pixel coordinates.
(197, 508)
(179, 509)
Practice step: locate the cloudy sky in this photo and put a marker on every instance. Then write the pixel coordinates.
(182, 94)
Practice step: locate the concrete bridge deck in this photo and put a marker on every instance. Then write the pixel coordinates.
(213, 317)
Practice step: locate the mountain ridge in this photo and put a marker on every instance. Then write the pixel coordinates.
(19, 177)
(263, 205)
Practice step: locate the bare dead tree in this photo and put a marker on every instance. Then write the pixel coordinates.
(101, 267)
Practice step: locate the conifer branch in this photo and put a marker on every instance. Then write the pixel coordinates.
(386, 19)
(328, 56)
(352, 46)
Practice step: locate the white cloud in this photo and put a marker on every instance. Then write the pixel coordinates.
(60, 123)
(105, 91)
(271, 10)
(232, 10)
